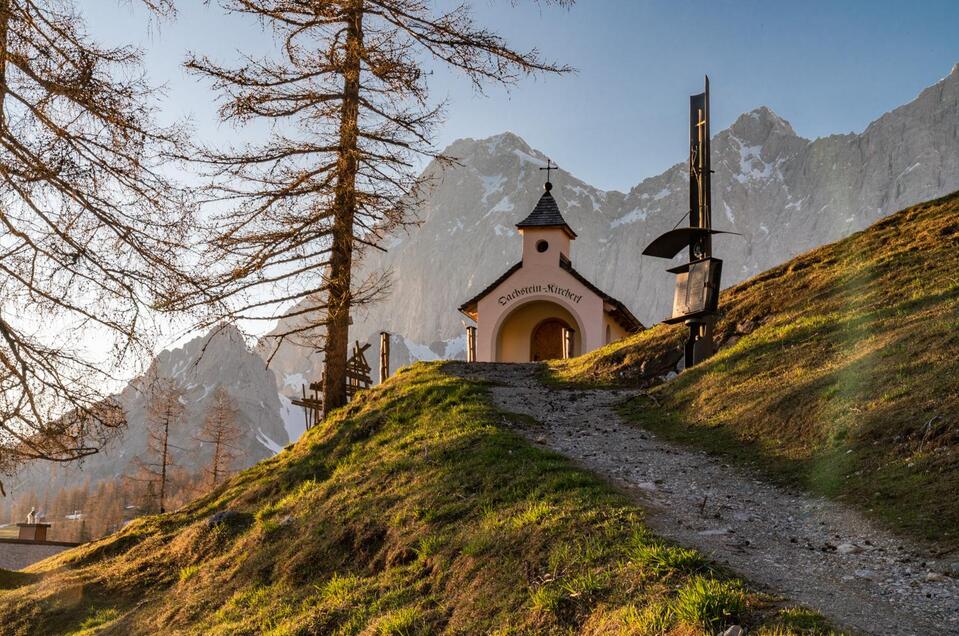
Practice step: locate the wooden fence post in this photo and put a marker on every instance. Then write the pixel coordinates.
(568, 339)
(384, 356)
(471, 344)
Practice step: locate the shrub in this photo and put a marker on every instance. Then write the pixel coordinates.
(659, 559)
(709, 603)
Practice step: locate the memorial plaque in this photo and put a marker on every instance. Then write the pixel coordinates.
(697, 289)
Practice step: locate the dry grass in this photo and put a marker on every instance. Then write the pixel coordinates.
(839, 372)
(413, 511)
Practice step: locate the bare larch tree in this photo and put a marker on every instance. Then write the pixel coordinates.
(164, 417)
(350, 118)
(91, 228)
(220, 431)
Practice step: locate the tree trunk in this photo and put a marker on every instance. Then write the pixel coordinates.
(216, 457)
(341, 260)
(4, 28)
(163, 460)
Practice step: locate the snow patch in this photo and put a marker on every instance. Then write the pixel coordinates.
(795, 205)
(293, 418)
(504, 205)
(266, 442)
(525, 157)
(294, 380)
(752, 167)
(631, 217)
(581, 191)
(729, 213)
(492, 184)
(909, 169)
(662, 194)
(419, 352)
(455, 348)
(502, 230)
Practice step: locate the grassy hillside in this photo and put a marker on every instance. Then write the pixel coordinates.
(413, 511)
(839, 372)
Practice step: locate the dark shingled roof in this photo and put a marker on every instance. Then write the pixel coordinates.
(546, 214)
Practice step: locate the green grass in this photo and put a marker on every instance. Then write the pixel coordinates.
(412, 511)
(838, 373)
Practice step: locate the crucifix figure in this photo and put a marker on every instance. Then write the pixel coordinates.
(549, 166)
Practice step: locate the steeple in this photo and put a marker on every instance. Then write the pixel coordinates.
(546, 214)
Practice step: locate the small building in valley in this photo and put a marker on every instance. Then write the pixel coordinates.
(30, 545)
(541, 308)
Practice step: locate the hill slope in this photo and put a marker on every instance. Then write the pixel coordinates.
(839, 372)
(413, 511)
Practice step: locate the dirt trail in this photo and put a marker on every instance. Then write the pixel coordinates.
(811, 550)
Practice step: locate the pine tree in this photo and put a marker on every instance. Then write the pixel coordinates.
(164, 415)
(348, 101)
(221, 433)
(93, 227)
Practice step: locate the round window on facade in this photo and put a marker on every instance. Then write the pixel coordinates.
(542, 246)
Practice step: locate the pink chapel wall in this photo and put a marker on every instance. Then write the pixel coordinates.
(541, 281)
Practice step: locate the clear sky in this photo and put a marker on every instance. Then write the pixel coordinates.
(825, 66)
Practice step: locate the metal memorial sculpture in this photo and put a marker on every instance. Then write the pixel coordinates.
(357, 378)
(696, 299)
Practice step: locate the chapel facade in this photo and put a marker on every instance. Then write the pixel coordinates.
(542, 308)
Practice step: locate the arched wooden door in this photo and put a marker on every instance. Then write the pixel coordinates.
(546, 341)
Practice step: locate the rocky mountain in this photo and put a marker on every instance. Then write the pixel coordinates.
(784, 194)
(217, 359)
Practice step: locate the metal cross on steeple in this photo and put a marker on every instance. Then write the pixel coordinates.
(549, 166)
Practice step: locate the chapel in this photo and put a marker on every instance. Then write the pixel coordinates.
(541, 308)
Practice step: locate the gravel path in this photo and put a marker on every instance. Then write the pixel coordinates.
(810, 550)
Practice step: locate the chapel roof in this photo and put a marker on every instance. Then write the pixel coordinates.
(546, 214)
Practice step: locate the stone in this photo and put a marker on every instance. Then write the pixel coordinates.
(865, 574)
(935, 577)
(848, 548)
(671, 375)
(735, 630)
(226, 518)
(745, 327)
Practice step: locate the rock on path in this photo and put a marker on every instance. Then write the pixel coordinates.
(808, 549)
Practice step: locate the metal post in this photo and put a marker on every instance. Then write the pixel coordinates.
(568, 339)
(384, 356)
(471, 344)
(700, 212)
(689, 357)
